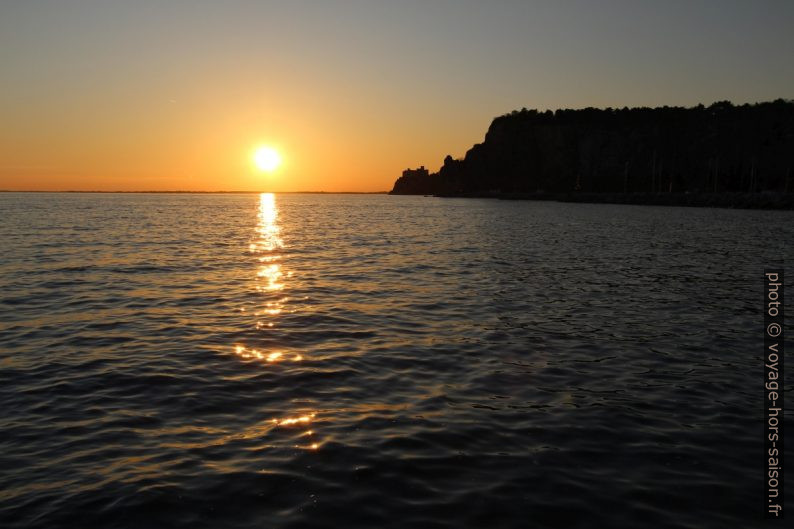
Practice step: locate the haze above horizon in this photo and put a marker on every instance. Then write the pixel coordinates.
(148, 96)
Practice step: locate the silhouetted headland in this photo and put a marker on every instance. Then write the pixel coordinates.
(722, 156)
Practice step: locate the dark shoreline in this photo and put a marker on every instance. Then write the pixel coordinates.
(777, 201)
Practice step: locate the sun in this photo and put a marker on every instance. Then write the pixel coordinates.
(266, 158)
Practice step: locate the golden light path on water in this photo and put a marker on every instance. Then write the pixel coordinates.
(270, 281)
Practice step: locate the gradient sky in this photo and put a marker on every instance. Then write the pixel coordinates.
(174, 95)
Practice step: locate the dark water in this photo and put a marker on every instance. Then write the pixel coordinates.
(308, 361)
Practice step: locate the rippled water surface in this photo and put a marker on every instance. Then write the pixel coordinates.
(299, 361)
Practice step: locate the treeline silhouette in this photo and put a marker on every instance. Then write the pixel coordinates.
(646, 152)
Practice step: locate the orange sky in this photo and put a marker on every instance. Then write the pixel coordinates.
(201, 137)
(195, 143)
(141, 95)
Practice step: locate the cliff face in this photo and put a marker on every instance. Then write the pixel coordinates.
(720, 148)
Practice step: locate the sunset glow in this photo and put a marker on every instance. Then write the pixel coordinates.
(267, 159)
(338, 97)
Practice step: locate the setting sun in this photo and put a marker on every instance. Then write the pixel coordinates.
(266, 158)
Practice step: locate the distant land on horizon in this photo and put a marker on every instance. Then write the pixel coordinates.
(723, 155)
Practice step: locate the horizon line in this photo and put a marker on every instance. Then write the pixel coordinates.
(172, 191)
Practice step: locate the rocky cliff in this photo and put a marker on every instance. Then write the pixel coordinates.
(721, 148)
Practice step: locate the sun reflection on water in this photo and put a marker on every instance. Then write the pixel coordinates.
(268, 246)
(302, 419)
